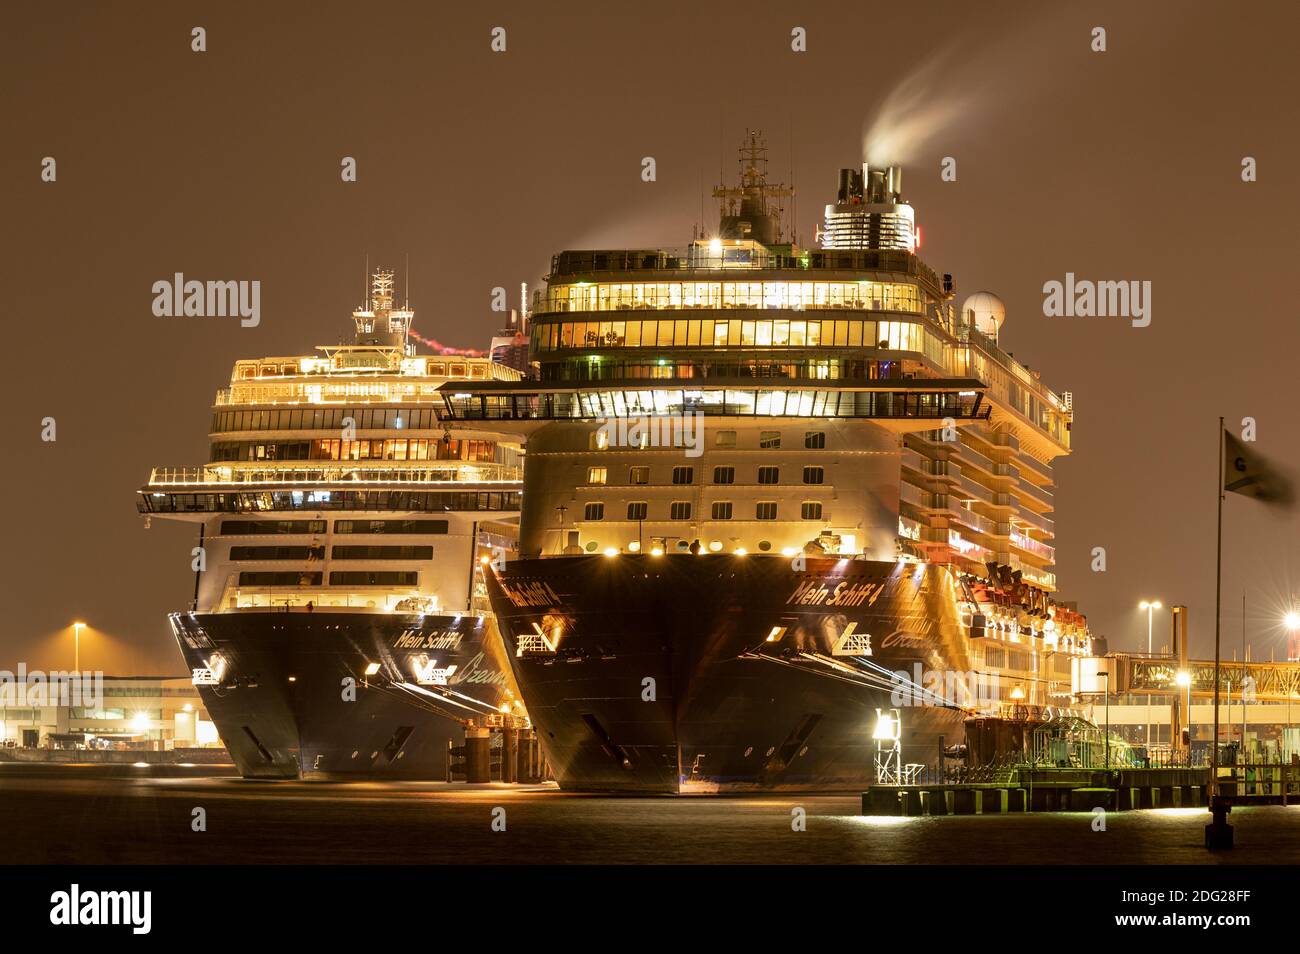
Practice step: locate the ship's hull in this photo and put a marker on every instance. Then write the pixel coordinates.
(294, 699)
(657, 674)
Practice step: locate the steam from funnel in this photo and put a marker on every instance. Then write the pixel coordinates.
(968, 81)
(913, 113)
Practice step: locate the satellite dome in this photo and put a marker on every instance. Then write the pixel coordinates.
(986, 312)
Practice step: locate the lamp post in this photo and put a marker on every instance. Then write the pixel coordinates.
(76, 646)
(1292, 623)
(1184, 678)
(1150, 607)
(1106, 695)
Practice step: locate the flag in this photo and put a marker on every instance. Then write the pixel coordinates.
(1246, 472)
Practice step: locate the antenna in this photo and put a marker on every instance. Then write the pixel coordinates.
(366, 283)
(407, 306)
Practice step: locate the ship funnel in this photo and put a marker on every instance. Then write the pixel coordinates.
(870, 212)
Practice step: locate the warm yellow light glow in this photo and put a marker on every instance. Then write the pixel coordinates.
(372, 668)
(1155, 605)
(140, 722)
(611, 551)
(776, 631)
(1017, 693)
(789, 551)
(657, 551)
(485, 560)
(635, 546)
(887, 730)
(740, 551)
(188, 707)
(293, 678)
(1292, 620)
(1183, 679)
(715, 545)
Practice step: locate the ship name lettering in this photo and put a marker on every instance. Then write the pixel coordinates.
(531, 594)
(443, 640)
(809, 593)
(854, 594)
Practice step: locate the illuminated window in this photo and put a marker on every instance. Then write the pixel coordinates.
(811, 510)
(722, 510)
(813, 475)
(724, 475)
(637, 510)
(594, 511)
(596, 475)
(765, 510)
(680, 510)
(769, 475)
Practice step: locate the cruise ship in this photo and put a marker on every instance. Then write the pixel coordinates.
(339, 623)
(787, 513)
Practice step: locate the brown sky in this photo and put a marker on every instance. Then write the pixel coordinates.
(1122, 165)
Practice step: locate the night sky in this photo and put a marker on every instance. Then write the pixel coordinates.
(225, 165)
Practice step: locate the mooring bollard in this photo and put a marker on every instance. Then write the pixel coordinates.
(1218, 833)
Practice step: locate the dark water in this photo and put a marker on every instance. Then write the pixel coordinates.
(100, 814)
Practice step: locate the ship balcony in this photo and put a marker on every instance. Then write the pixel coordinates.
(1039, 497)
(971, 457)
(1035, 548)
(977, 490)
(980, 523)
(1038, 521)
(1027, 462)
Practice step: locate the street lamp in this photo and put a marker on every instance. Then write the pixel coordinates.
(76, 646)
(1150, 607)
(1106, 695)
(1184, 678)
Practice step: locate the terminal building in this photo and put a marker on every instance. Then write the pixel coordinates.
(132, 713)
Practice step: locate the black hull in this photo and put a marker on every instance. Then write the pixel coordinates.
(731, 710)
(283, 708)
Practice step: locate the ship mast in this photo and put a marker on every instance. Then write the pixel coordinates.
(747, 210)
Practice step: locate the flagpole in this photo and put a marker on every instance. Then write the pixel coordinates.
(1218, 594)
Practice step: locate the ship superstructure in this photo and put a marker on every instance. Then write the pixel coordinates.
(786, 486)
(339, 622)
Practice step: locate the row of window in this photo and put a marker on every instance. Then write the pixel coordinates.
(338, 553)
(386, 449)
(713, 333)
(626, 366)
(264, 527)
(720, 510)
(325, 418)
(704, 398)
(615, 296)
(767, 440)
(597, 476)
(341, 578)
(397, 501)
